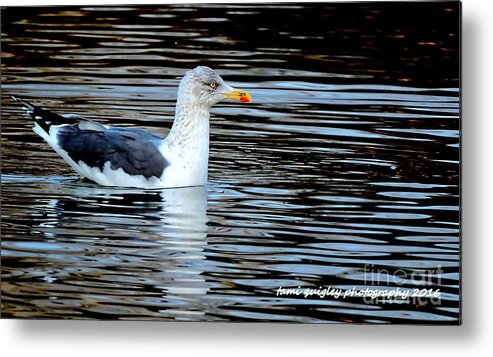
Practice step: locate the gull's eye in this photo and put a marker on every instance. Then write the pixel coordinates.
(213, 85)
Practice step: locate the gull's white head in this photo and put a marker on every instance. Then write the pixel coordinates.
(203, 86)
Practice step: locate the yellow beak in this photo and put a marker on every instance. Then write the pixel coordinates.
(239, 95)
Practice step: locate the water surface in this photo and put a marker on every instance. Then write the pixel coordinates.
(346, 163)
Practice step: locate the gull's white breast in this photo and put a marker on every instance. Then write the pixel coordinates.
(187, 166)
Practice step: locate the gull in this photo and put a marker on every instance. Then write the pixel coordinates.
(132, 157)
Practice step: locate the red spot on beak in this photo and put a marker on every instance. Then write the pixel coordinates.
(244, 99)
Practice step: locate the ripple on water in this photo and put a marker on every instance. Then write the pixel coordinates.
(342, 166)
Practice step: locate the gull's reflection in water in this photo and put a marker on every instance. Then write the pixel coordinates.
(153, 241)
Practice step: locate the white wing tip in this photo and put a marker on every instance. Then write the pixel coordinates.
(29, 108)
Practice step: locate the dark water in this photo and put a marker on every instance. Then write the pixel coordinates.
(343, 172)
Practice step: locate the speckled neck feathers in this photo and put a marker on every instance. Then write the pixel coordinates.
(191, 123)
(187, 144)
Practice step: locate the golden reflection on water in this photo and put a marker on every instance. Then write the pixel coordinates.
(349, 156)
